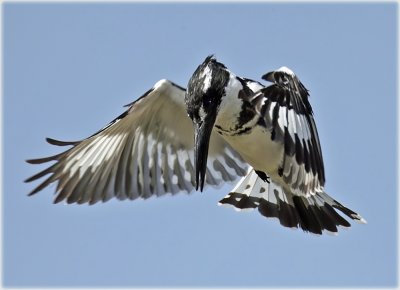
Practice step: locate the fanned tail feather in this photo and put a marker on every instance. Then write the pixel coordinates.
(313, 213)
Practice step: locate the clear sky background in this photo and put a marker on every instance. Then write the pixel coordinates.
(69, 69)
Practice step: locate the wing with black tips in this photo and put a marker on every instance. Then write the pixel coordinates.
(146, 151)
(287, 113)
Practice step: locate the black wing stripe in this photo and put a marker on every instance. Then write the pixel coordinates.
(45, 159)
(60, 143)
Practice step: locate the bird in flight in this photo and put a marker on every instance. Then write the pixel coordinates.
(221, 128)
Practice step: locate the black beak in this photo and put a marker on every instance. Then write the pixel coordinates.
(202, 141)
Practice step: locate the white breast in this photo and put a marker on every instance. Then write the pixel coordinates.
(256, 146)
(258, 150)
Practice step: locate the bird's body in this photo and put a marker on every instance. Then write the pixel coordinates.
(266, 134)
(245, 134)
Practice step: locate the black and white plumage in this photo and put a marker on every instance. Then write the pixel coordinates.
(236, 127)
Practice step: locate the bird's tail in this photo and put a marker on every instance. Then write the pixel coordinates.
(313, 213)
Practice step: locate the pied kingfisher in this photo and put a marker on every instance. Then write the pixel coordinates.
(241, 128)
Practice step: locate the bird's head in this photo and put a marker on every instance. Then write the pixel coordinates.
(204, 93)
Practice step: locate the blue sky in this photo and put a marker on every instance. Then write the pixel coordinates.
(69, 69)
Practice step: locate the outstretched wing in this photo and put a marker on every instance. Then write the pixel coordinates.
(287, 113)
(146, 151)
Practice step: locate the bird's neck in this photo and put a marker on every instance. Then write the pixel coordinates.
(230, 114)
